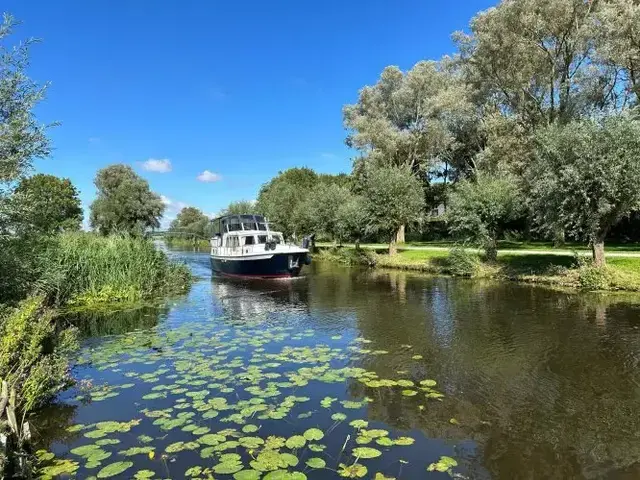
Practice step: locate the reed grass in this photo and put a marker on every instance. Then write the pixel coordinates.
(85, 268)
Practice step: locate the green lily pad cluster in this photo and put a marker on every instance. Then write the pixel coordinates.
(215, 393)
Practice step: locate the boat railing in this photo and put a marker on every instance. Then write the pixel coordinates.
(249, 249)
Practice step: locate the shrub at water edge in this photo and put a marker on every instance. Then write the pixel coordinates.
(462, 263)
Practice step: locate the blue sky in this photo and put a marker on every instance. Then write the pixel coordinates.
(240, 90)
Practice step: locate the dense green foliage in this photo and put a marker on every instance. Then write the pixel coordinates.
(85, 268)
(124, 203)
(22, 139)
(44, 204)
(33, 352)
(479, 209)
(392, 198)
(189, 224)
(585, 177)
(240, 207)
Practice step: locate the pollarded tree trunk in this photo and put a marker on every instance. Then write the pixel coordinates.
(491, 250)
(597, 248)
(400, 234)
(393, 247)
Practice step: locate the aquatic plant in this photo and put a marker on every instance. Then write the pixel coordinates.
(87, 269)
(222, 393)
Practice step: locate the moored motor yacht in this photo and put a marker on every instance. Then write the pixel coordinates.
(245, 246)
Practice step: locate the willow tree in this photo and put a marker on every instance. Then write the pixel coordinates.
(618, 31)
(539, 62)
(480, 208)
(409, 120)
(585, 177)
(392, 197)
(124, 202)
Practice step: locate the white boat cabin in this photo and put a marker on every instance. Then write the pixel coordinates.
(247, 235)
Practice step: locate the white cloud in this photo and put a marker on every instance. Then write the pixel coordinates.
(160, 165)
(172, 208)
(209, 177)
(328, 155)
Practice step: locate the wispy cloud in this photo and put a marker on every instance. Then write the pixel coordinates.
(94, 139)
(159, 165)
(172, 208)
(209, 177)
(328, 155)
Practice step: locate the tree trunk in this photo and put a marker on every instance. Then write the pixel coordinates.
(393, 247)
(558, 238)
(400, 234)
(597, 247)
(357, 244)
(491, 250)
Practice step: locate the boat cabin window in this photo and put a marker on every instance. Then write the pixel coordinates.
(262, 239)
(234, 224)
(233, 242)
(278, 238)
(250, 240)
(248, 222)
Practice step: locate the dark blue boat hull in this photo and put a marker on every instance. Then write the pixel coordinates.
(278, 266)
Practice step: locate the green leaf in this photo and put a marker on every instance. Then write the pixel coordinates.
(359, 424)
(296, 441)
(114, 469)
(338, 417)
(404, 441)
(313, 434)
(409, 393)
(250, 429)
(315, 462)
(144, 474)
(352, 471)
(366, 452)
(247, 475)
(227, 468)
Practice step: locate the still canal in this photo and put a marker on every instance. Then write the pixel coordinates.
(354, 373)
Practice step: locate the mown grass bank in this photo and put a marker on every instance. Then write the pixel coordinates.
(557, 270)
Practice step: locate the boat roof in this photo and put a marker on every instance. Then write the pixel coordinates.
(247, 216)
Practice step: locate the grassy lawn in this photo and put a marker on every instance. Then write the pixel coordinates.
(559, 270)
(507, 245)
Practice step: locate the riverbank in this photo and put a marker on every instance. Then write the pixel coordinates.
(69, 271)
(621, 274)
(187, 243)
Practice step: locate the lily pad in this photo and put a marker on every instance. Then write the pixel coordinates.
(114, 469)
(313, 434)
(366, 452)
(316, 462)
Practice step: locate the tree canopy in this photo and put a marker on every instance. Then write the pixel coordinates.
(240, 207)
(124, 202)
(22, 138)
(480, 208)
(44, 204)
(190, 222)
(586, 175)
(392, 197)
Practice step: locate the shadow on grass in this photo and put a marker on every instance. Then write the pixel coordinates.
(535, 264)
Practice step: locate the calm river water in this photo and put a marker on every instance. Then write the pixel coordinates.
(348, 372)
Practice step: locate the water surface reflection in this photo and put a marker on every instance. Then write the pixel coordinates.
(538, 383)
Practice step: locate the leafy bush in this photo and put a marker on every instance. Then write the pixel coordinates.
(33, 352)
(592, 277)
(84, 268)
(462, 263)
